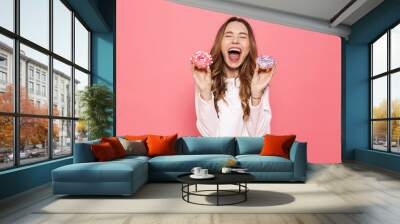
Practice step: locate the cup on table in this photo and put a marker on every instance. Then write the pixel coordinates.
(203, 172)
(226, 170)
(196, 171)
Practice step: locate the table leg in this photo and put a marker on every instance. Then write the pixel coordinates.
(188, 190)
(196, 188)
(217, 194)
(245, 193)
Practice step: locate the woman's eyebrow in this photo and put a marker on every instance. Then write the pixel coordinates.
(230, 32)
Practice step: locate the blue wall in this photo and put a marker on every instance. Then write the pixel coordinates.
(99, 15)
(103, 50)
(356, 62)
(103, 63)
(102, 59)
(24, 178)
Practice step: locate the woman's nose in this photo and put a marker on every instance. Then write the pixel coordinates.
(235, 39)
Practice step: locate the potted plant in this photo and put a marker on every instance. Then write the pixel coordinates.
(97, 103)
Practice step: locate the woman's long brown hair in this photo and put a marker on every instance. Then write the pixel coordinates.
(246, 70)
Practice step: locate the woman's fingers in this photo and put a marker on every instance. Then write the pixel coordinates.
(201, 77)
(192, 67)
(255, 74)
(256, 70)
(208, 72)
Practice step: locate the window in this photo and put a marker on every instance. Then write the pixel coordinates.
(62, 74)
(3, 72)
(7, 73)
(55, 102)
(3, 61)
(81, 45)
(47, 76)
(35, 21)
(30, 72)
(62, 138)
(38, 74)
(43, 90)
(40, 62)
(7, 14)
(81, 81)
(62, 31)
(3, 78)
(30, 87)
(33, 148)
(385, 94)
(37, 89)
(395, 47)
(6, 142)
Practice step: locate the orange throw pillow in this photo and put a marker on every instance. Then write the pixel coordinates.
(161, 145)
(277, 145)
(116, 145)
(103, 152)
(133, 137)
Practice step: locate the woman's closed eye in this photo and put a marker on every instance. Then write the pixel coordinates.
(242, 37)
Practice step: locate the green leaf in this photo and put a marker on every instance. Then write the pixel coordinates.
(97, 103)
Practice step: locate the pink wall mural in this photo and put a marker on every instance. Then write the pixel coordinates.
(155, 87)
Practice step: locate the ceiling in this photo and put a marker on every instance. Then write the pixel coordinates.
(98, 15)
(326, 16)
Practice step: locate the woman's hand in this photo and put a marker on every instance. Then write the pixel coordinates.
(261, 79)
(203, 81)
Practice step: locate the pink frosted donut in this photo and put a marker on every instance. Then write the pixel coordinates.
(201, 59)
(265, 62)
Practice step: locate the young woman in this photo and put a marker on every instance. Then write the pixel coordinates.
(232, 95)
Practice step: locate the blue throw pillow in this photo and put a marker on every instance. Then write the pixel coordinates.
(207, 145)
(249, 145)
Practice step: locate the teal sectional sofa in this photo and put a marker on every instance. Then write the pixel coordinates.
(125, 176)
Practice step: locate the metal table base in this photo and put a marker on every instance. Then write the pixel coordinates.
(242, 191)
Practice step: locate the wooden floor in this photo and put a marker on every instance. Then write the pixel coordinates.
(377, 188)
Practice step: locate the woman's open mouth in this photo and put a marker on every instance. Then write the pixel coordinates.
(234, 54)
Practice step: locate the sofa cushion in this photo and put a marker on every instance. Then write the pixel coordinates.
(111, 171)
(257, 163)
(133, 158)
(249, 145)
(206, 145)
(185, 163)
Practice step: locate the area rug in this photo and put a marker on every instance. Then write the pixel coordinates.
(167, 198)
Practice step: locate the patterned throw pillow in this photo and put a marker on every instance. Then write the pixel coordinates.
(134, 147)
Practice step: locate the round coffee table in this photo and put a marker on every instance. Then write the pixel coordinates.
(238, 179)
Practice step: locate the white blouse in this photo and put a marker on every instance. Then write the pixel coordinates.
(230, 121)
